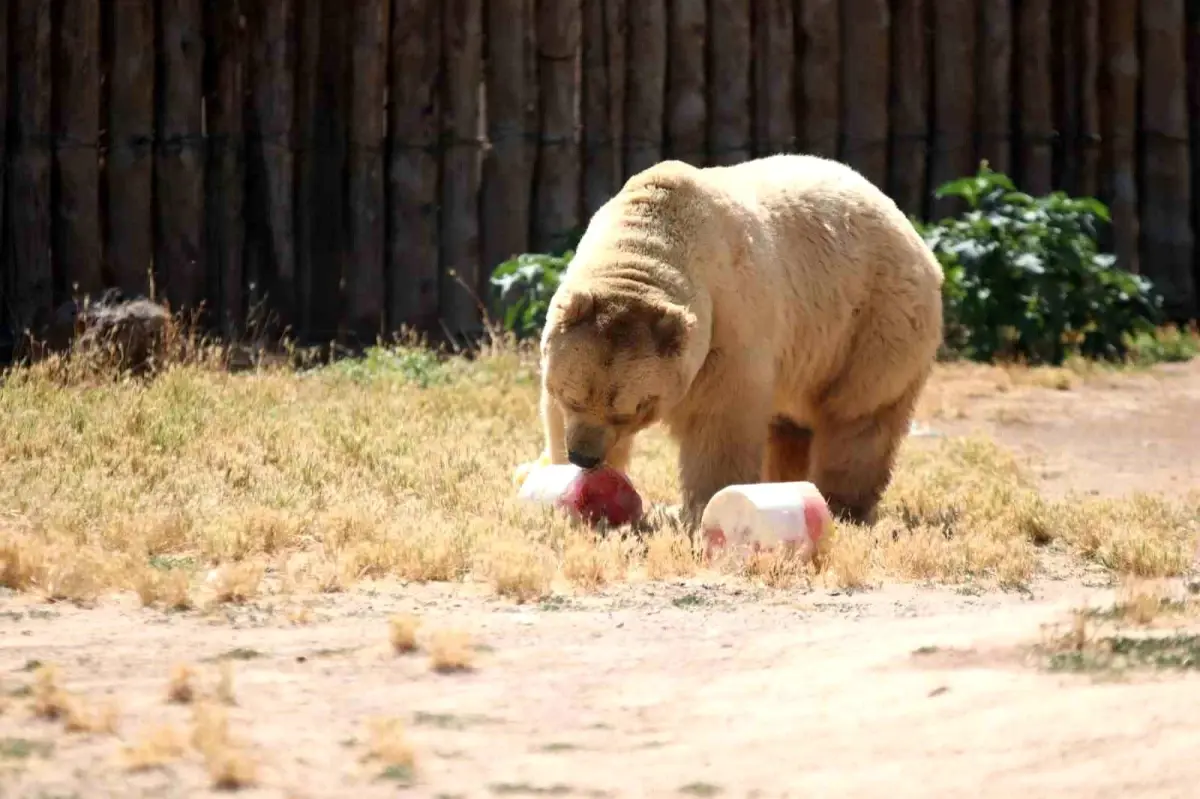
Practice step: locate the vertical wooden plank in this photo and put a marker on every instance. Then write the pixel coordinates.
(616, 33)
(1118, 124)
(462, 59)
(995, 84)
(29, 183)
(321, 106)
(78, 247)
(909, 106)
(820, 86)
(130, 164)
(686, 111)
(179, 168)
(365, 286)
(556, 176)
(224, 192)
(1193, 57)
(413, 124)
(1167, 236)
(774, 65)
(866, 25)
(270, 157)
(8, 279)
(1035, 96)
(730, 113)
(955, 25)
(507, 170)
(1065, 24)
(1089, 103)
(601, 137)
(646, 82)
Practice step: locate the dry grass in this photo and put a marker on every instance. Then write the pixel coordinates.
(230, 765)
(181, 688)
(156, 747)
(202, 487)
(388, 745)
(402, 633)
(52, 702)
(451, 651)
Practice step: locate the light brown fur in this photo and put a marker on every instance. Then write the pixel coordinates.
(779, 316)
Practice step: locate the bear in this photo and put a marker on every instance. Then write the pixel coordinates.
(779, 316)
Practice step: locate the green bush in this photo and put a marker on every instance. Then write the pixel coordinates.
(1025, 278)
(523, 286)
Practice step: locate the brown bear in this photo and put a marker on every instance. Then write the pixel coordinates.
(780, 316)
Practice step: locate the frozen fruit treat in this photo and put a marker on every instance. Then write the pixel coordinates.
(589, 494)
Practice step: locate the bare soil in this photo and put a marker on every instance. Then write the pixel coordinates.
(688, 688)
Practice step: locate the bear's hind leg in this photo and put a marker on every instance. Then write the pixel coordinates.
(853, 459)
(789, 446)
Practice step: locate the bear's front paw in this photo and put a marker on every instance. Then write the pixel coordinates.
(522, 472)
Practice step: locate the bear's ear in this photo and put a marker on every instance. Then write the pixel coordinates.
(577, 307)
(670, 328)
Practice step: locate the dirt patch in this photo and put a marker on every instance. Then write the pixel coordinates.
(696, 687)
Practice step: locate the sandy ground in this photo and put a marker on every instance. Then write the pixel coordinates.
(679, 689)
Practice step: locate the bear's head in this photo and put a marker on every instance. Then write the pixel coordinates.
(614, 365)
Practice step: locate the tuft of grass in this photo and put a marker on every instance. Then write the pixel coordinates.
(230, 766)
(451, 651)
(52, 702)
(388, 745)
(181, 687)
(402, 633)
(156, 747)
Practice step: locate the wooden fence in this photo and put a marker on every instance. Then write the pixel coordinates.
(351, 164)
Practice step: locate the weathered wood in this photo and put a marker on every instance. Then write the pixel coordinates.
(1035, 97)
(865, 38)
(995, 84)
(909, 106)
(29, 183)
(78, 247)
(413, 124)
(462, 64)
(1193, 56)
(600, 102)
(366, 292)
(556, 176)
(646, 82)
(224, 182)
(130, 165)
(616, 34)
(1167, 236)
(955, 26)
(1118, 124)
(179, 170)
(507, 171)
(8, 278)
(730, 112)
(820, 90)
(774, 67)
(321, 104)
(272, 238)
(686, 109)
(1089, 102)
(1065, 45)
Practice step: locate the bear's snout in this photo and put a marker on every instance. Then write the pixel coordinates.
(583, 461)
(586, 445)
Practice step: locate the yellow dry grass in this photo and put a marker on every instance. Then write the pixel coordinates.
(201, 487)
(52, 702)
